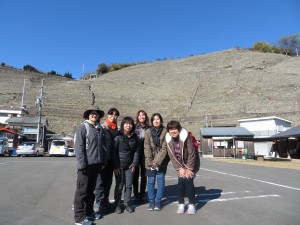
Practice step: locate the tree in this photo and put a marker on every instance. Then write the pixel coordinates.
(30, 69)
(52, 72)
(290, 44)
(102, 69)
(265, 47)
(69, 75)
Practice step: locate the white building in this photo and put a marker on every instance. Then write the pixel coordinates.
(264, 127)
(6, 114)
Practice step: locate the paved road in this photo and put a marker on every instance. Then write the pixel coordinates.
(40, 191)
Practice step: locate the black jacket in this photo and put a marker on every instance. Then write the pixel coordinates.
(126, 151)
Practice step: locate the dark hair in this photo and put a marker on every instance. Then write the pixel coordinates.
(127, 119)
(173, 124)
(111, 111)
(146, 119)
(159, 116)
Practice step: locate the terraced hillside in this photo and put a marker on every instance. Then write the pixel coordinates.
(214, 89)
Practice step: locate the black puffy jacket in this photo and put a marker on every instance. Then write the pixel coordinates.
(126, 151)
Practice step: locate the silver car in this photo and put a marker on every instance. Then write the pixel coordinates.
(30, 148)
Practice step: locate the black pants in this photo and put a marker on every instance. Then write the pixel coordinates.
(140, 170)
(84, 194)
(125, 178)
(186, 187)
(104, 182)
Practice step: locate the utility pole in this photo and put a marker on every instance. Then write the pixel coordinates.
(82, 72)
(23, 93)
(39, 103)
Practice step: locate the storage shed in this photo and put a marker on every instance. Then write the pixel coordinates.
(226, 141)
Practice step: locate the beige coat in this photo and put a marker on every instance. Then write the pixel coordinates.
(149, 149)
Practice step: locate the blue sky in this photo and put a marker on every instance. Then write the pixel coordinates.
(64, 35)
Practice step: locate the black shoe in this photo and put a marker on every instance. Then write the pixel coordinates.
(118, 209)
(129, 208)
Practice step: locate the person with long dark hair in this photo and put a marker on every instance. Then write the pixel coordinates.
(156, 161)
(141, 125)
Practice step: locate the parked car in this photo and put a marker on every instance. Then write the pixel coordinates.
(59, 148)
(30, 148)
(4, 148)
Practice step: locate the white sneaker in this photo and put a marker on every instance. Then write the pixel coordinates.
(180, 209)
(191, 209)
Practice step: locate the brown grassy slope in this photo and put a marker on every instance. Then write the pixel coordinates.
(223, 87)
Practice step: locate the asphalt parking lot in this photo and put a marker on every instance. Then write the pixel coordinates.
(40, 190)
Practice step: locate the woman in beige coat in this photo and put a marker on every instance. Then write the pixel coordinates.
(156, 161)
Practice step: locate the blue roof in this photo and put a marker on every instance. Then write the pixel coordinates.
(225, 132)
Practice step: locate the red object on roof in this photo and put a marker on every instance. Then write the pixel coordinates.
(7, 130)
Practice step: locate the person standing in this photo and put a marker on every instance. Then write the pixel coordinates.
(141, 125)
(125, 160)
(186, 161)
(103, 188)
(91, 159)
(156, 161)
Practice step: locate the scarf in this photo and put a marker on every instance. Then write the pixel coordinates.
(111, 125)
(155, 133)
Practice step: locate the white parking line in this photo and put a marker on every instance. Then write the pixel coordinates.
(2, 163)
(235, 198)
(248, 178)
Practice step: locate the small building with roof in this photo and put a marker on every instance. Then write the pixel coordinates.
(225, 141)
(6, 114)
(28, 127)
(264, 128)
(287, 143)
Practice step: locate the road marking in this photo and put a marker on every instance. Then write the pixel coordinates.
(222, 193)
(235, 198)
(2, 163)
(248, 178)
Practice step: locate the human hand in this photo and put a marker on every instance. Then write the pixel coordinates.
(189, 174)
(83, 171)
(132, 168)
(154, 165)
(117, 171)
(181, 172)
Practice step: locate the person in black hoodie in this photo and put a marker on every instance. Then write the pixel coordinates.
(125, 160)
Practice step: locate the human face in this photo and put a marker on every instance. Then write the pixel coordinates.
(93, 116)
(127, 127)
(112, 118)
(174, 133)
(156, 122)
(142, 117)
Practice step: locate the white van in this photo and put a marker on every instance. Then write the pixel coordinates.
(59, 147)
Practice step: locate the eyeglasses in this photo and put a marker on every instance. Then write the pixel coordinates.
(173, 131)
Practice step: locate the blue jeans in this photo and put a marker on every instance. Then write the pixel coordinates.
(156, 195)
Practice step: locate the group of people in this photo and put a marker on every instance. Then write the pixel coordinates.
(139, 150)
